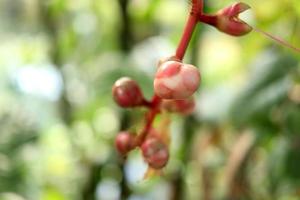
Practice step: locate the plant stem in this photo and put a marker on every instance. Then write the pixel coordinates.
(180, 52)
(186, 36)
(150, 116)
(196, 10)
(208, 19)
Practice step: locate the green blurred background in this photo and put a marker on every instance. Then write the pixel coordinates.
(59, 59)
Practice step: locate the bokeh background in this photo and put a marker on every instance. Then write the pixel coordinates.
(59, 59)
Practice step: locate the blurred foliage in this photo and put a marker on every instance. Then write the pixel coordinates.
(59, 59)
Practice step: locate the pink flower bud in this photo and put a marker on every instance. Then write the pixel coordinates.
(124, 142)
(127, 93)
(175, 80)
(155, 152)
(182, 106)
(228, 20)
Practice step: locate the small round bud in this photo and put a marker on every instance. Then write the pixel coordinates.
(175, 80)
(155, 152)
(124, 142)
(182, 106)
(127, 93)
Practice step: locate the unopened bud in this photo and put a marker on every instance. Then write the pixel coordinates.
(127, 93)
(175, 80)
(155, 152)
(182, 106)
(124, 142)
(228, 20)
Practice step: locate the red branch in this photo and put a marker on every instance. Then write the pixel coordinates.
(192, 21)
(208, 19)
(154, 105)
(150, 116)
(186, 37)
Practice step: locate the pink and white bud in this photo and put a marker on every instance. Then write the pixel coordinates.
(155, 152)
(228, 20)
(175, 80)
(125, 142)
(182, 106)
(127, 93)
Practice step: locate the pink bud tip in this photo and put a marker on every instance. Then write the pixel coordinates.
(155, 152)
(124, 142)
(228, 20)
(175, 80)
(182, 106)
(127, 93)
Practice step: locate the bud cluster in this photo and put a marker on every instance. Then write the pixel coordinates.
(154, 150)
(174, 85)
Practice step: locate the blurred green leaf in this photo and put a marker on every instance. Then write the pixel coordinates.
(267, 87)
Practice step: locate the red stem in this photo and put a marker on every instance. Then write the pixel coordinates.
(153, 103)
(196, 11)
(208, 19)
(146, 103)
(150, 116)
(197, 7)
(187, 35)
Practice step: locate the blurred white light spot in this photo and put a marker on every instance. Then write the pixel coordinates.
(209, 106)
(10, 196)
(161, 190)
(135, 168)
(248, 17)
(85, 23)
(147, 53)
(220, 56)
(106, 122)
(108, 189)
(39, 81)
